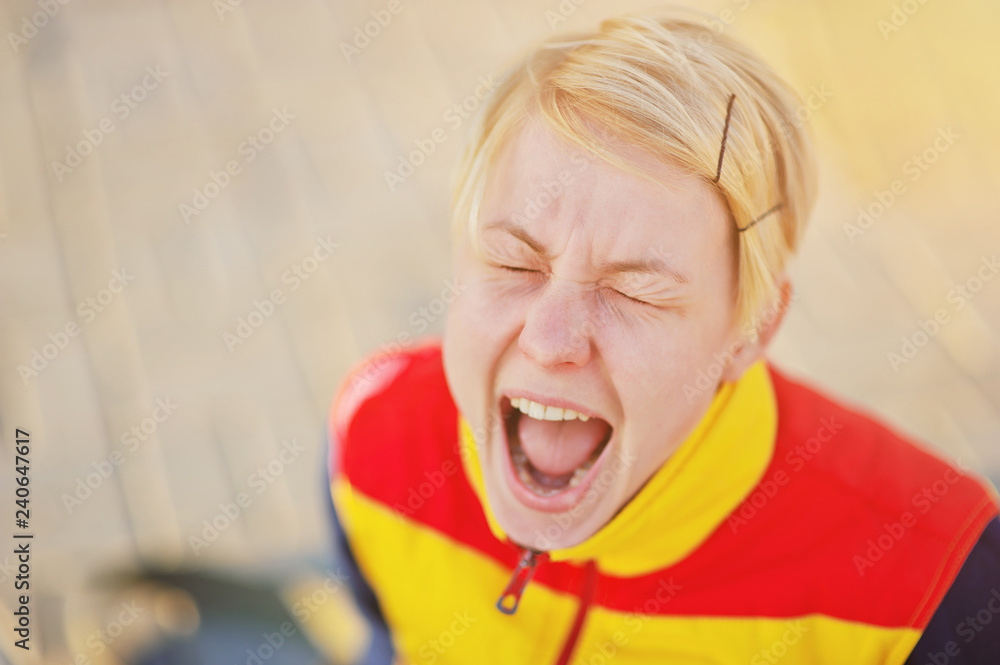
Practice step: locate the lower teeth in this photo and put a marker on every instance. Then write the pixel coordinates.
(521, 464)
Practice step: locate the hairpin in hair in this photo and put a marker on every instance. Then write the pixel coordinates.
(725, 134)
(722, 153)
(772, 210)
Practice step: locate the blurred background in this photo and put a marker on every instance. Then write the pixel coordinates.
(198, 237)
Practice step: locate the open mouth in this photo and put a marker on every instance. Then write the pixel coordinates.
(552, 449)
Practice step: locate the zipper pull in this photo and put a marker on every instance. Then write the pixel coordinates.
(511, 596)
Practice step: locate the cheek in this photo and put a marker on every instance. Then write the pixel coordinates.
(654, 376)
(477, 318)
(477, 331)
(489, 309)
(645, 367)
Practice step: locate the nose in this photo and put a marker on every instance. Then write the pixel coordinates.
(557, 326)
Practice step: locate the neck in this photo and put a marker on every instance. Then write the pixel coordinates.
(689, 496)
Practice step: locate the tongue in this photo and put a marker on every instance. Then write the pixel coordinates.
(558, 447)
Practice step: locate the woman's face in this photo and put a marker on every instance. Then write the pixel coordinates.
(597, 293)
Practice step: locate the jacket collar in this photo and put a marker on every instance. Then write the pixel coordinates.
(689, 496)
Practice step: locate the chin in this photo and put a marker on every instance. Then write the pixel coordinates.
(544, 517)
(545, 532)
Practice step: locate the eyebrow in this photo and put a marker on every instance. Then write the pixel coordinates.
(654, 266)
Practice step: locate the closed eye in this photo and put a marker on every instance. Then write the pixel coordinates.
(615, 291)
(516, 269)
(635, 300)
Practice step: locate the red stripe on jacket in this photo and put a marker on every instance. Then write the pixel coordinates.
(795, 551)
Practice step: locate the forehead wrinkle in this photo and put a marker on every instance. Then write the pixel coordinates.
(653, 266)
(579, 204)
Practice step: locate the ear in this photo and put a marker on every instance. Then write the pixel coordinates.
(767, 322)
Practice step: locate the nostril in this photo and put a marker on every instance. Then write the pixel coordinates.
(550, 339)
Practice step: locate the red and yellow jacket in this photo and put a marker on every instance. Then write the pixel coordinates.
(785, 528)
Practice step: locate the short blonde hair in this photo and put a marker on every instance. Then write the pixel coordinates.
(673, 87)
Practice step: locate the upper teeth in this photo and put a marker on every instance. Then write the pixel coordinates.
(542, 412)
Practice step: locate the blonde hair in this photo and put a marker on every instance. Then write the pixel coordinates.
(665, 86)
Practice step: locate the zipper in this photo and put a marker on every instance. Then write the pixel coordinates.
(511, 596)
(524, 571)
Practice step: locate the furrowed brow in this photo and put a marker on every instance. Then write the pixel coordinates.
(654, 266)
(520, 234)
